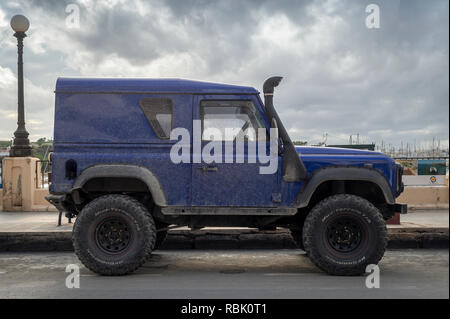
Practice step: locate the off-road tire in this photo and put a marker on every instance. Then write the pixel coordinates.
(160, 238)
(344, 214)
(95, 235)
(297, 237)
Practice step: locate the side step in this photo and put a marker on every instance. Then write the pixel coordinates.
(231, 211)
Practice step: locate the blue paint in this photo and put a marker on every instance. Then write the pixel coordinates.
(99, 121)
(125, 85)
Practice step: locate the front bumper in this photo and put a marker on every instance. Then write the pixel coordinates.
(401, 208)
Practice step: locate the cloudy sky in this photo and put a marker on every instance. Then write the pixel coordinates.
(389, 83)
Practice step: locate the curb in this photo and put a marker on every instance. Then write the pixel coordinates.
(221, 239)
(442, 206)
(418, 238)
(36, 241)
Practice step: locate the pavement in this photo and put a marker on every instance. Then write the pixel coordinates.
(38, 231)
(230, 274)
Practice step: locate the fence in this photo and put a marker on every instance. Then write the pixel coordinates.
(43, 173)
(424, 171)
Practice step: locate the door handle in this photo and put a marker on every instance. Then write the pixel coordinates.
(208, 169)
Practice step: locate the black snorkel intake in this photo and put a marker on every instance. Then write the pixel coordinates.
(293, 168)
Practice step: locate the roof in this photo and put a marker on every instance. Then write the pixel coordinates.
(142, 85)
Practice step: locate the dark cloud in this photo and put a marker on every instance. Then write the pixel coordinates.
(340, 77)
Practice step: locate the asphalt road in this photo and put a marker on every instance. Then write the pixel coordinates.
(420, 273)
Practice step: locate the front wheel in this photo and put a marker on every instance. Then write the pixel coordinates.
(343, 234)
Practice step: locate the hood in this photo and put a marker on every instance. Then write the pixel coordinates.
(333, 151)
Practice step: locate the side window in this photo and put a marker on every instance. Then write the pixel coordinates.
(230, 118)
(159, 113)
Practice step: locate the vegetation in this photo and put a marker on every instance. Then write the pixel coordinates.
(42, 147)
(4, 144)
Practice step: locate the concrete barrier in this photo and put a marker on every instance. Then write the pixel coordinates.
(417, 197)
(19, 181)
(422, 197)
(39, 203)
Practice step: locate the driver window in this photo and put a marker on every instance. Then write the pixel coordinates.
(224, 120)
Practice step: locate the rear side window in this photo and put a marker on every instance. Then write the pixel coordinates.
(159, 113)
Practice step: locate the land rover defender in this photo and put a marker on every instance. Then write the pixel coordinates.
(133, 157)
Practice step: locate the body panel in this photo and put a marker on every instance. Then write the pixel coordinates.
(94, 129)
(99, 122)
(231, 184)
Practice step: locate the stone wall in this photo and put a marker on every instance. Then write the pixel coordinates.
(425, 196)
(20, 192)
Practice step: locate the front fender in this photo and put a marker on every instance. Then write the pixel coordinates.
(340, 174)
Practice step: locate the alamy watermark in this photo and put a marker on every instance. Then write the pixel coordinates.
(73, 16)
(225, 146)
(72, 10)
(373, 277)
(373, 17)
(73, 279)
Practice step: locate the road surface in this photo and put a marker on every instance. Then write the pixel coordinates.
(420, 273)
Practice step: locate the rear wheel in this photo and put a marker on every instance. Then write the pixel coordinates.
(343, 234)
(114, 235)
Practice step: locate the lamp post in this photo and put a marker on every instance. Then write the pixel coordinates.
(21, 146)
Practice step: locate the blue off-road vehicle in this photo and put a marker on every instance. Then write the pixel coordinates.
(133, 157)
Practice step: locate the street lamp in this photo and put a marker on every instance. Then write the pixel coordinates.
(21, 146)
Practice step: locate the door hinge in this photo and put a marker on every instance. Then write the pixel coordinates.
(276, 197)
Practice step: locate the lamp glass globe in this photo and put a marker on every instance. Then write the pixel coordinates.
(20, 23)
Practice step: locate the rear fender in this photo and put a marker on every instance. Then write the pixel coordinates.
(123, 171)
